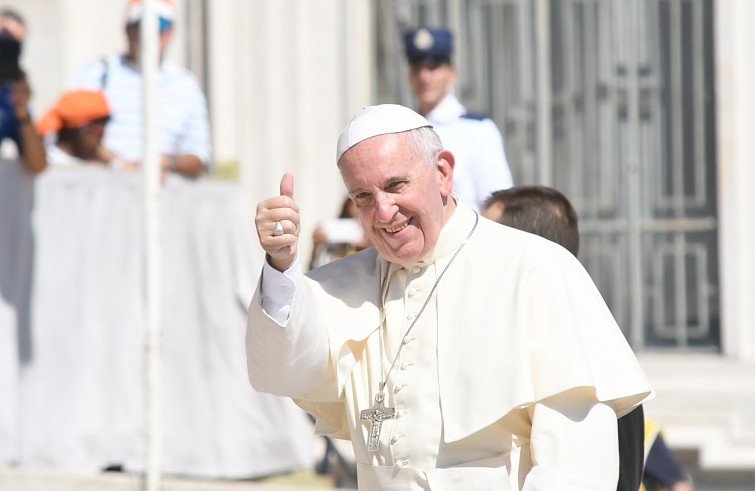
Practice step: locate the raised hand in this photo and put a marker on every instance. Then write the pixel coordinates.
(280, 242)
(20, 94)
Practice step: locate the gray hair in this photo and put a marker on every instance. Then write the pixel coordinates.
(425, 142)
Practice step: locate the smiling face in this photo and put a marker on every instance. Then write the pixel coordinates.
(402, 198)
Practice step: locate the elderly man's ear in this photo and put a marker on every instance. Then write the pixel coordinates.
(446, 162)
(445, 157)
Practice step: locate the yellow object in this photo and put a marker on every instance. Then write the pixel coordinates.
(652, 430)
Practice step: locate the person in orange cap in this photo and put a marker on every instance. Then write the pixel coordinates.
(77, 122)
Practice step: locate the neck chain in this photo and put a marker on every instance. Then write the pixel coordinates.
(383, 284)
(379, 412)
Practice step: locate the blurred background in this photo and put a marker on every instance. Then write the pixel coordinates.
(640, 111)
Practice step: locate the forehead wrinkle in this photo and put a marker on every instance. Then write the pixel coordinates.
(375, 153)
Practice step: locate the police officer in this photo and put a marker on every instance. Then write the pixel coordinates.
(474, 139)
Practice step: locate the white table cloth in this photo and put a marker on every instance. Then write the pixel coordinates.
(72, 329)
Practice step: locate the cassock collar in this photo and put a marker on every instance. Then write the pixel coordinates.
(453, 233)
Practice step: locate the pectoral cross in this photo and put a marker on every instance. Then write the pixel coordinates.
(376, 414)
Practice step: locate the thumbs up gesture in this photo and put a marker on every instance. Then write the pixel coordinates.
(278, 226)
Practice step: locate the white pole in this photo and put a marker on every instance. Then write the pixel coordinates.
(544, 99)
(149, 57)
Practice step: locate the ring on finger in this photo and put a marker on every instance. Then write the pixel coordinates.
(278, 229)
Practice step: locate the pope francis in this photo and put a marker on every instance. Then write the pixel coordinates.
(456, 353)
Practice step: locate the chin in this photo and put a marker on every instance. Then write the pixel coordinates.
(402, 257)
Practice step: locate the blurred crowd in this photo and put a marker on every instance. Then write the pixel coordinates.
(98, 118)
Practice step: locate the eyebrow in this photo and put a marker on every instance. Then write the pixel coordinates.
(386, 182)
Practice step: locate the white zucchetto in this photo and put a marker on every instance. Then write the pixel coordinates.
(378, 120)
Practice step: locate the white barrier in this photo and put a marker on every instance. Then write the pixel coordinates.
(73, 393)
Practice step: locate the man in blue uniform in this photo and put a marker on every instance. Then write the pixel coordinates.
(481, 165)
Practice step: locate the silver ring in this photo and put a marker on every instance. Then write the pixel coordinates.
(278, 229)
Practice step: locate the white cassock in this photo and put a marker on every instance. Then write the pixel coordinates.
(511, 379)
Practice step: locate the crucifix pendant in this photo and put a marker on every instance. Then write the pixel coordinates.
(376, 414)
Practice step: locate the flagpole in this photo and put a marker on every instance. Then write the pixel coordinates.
(151, 183)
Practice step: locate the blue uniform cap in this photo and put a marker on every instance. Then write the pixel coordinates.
(428, 43)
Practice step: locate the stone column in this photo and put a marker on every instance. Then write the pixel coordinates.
(735, 126)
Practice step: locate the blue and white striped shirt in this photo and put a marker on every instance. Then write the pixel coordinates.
(182, 117)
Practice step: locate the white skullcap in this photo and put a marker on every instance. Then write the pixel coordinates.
(378, 120)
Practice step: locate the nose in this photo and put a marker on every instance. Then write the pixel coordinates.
(424, 73)
(385, 207)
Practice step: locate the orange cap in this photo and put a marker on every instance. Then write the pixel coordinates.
(73, 109)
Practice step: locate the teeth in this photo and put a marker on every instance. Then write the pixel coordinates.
(396, 229)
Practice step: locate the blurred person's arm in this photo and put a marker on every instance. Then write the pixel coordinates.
(186, 164)
(194, 151)
(32, 148)
(105, 155)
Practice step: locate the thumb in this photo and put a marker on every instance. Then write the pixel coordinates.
(287, 185)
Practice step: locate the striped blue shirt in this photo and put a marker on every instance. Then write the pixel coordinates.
(182, 117)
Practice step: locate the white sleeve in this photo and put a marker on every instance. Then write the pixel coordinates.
(574, 444)
(491, 169)
(287, 346)
(196, 127)
(278, 289)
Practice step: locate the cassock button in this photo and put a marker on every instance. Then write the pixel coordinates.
(416, 269)
(412, 291)
(406, 365)
(398, 388)
(285, 288)
(402, 463)
(411, 316)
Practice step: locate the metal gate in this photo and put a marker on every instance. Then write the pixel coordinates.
(611, 102)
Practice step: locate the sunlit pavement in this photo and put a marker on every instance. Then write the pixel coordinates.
(43, 480)
(305, 480)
